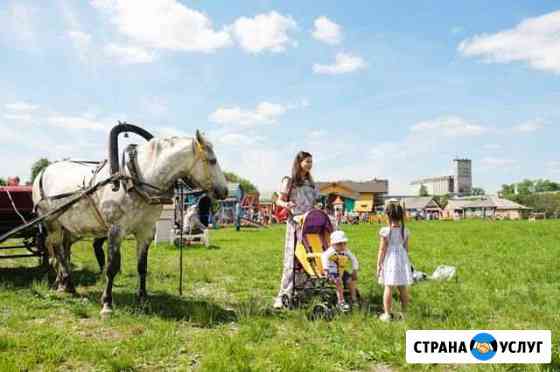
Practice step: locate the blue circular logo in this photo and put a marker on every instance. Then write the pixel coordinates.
(483, 346)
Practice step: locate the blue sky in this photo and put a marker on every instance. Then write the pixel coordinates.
(373, 89)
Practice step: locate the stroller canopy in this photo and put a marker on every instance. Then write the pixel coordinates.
(316, 222)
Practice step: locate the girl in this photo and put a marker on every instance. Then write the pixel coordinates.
(298, 194)
(393, 264)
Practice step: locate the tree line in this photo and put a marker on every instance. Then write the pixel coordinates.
(541, 195)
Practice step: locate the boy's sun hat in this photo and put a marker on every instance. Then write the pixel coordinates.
(338, 237)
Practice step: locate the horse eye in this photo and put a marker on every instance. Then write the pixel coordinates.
(212, 161)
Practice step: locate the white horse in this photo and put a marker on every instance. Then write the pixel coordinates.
(115, 214)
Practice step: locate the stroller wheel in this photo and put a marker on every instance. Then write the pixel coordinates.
(287, 302)
(321, 311)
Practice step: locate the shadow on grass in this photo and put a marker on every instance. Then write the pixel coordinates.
(186, 247)
(21, 277)
(172, 307)
(371, 303)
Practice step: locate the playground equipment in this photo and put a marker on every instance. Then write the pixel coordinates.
(239, 208)
(192, 216)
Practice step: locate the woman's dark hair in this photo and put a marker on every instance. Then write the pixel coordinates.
(297, 179)
(395, 213)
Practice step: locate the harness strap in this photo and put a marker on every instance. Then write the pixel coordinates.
(163, 196)
(97, 213)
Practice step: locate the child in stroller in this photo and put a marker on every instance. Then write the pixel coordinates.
(310, 281)
(335, 266)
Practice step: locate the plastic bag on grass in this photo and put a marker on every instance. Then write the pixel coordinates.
(444, 272)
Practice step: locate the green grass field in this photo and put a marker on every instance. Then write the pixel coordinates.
(508, 278)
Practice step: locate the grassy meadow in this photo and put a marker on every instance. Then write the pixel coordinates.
(508, 278)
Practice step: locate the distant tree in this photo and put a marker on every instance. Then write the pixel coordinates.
(245, 184)
(546, 185)
(478, 191)
(525, 187)
(423, 191)
(508, 189)
(38, 166)
(2, 182)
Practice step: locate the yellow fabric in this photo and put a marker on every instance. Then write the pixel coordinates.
(341, 262)
(311, 261)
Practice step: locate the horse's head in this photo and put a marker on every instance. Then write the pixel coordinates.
(205, 172)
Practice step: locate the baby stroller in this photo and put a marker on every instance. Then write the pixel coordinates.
(310, 284)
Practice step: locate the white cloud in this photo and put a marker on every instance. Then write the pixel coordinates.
(451, 126)
(490, 163)
(21, 106)
(529, 126)
(164, 24)
(264, 113)
(534, 40)
(264, 32)
(344, 63)
(327, 31)
(129, 54)
(78, 122)
(18, 117)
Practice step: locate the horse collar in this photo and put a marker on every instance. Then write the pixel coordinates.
(142, 188)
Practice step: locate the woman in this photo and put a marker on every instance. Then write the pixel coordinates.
(298, 195)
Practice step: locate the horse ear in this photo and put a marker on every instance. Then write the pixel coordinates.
(199, 137)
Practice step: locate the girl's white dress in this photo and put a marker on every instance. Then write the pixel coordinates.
(396, 265)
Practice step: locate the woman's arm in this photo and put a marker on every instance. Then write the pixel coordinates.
(283, 195)
(282, 201)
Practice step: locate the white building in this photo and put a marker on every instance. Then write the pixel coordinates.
(460, 183)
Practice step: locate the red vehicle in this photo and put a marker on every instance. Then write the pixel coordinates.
(16, 209)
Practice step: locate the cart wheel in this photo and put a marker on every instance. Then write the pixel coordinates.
(330, 297)
(329, 315)
(321, 311)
